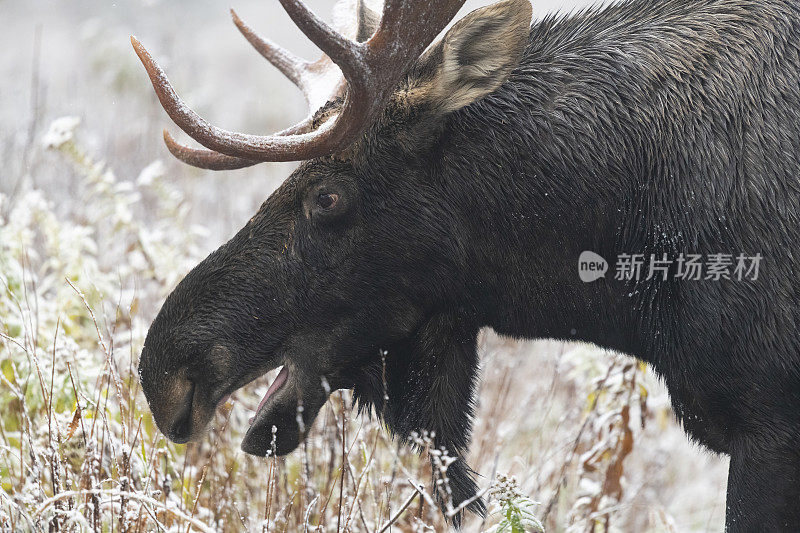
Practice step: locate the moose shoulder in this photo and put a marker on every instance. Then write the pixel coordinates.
(452, 187)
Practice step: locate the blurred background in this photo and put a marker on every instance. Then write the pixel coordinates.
(97, 199)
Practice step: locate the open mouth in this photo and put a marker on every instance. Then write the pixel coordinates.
(279, 381)
(285, 412)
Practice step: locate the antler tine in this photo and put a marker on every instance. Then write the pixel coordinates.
(213, 160)
(207, 159)
(306, 75)
(336, 46)
(287, 63)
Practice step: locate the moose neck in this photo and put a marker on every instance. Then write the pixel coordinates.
(563, 159)
(530, 213)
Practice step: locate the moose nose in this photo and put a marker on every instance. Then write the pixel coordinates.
(180, 428)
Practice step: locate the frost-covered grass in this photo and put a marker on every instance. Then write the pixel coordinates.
(94, 234)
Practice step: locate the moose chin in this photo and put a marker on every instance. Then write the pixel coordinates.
(450, 185)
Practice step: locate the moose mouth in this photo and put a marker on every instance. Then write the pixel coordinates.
(285, 413)
(277, 384)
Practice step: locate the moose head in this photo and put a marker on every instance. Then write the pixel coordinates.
(355, 273)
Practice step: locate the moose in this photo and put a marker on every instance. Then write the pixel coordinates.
(452, 185)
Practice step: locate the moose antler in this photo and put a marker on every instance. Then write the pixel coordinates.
(319, 81)
(371, 71)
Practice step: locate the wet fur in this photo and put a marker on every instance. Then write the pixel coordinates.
(649, 127)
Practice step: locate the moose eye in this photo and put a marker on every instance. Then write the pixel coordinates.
(327, 200)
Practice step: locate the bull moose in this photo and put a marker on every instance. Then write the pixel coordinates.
(453, 186)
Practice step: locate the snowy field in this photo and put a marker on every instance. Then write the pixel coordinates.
(98, 223)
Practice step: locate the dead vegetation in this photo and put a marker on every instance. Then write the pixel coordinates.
(89, 249)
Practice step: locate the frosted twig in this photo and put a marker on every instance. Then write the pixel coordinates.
(463, 505)
(112, 493)
(400, 511)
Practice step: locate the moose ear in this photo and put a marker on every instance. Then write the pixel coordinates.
(475, 57)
